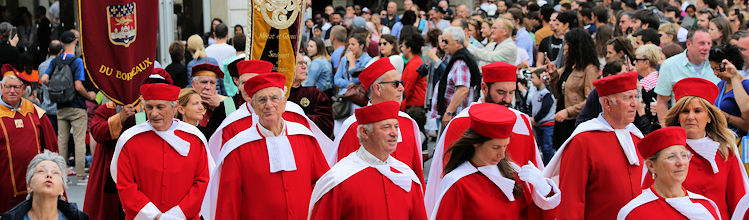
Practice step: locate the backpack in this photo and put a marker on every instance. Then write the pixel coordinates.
(61, 86)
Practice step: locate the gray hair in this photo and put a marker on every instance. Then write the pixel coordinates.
(609, 97)
(369, 127)
(8, 77)
(172, 103)
(46, 156)
(457, 34)
(378, 80)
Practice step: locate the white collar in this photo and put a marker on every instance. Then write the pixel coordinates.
(369, 158)
(707, 149)
(267, 133)
(181, 146)
(503, 183)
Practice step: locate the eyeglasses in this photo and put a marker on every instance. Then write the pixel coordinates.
(444, 41)
(384, 43)
(640, 59)
(396, 83)
(684, 156)
(13, 87)
(262, 100)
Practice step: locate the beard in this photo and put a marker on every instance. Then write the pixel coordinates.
(488, 98)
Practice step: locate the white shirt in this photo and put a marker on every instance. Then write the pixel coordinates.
(220, 52)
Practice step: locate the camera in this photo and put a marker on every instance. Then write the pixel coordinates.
(524, 76)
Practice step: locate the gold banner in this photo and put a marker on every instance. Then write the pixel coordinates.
(274, 34)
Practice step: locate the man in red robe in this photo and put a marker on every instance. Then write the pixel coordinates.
(383, 84)
(244, 116)
(110, 120)
(267, 171)
(499, 84)
(161, 167)
(26, 132)
(369, 183)
(598, 167)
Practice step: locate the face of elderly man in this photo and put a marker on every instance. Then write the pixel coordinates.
(160, 113)
(390, 89)
(383, 138)
(12, 89)
(46, 180)
(205, 84)
(621, 107)
(269, 103)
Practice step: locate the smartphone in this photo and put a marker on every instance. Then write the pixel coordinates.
(722, 67)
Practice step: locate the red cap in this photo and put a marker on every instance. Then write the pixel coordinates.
(699, 87)
(207, 69)
(159, 91)
(254, 66)
(616, 83)
(7, 69)
(499, 72)
(163, 74)
(492, 120)
(374, 71)
(263, 81)
(660, 139)
(377, 112)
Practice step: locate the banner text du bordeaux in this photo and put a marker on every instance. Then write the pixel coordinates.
(126, 75)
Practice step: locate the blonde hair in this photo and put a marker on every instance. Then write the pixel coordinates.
(506, 24)
(670, 29)
(716, 130)
(650, 52)
(184, 98)
(195, 46)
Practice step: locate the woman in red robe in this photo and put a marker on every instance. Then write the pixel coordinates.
(668, 161)
(482, 182)
(716, 170)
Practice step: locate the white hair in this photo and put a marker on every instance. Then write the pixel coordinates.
(609, 97)
(457, 34)
(371, 87)
(369, 127)
(8, 77)
(46, 156)
(172, 103)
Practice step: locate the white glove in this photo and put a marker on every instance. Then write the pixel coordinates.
(530, 174)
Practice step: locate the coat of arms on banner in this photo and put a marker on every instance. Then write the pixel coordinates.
(121, 21)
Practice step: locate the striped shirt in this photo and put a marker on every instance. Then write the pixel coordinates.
(459, 75)
(648, 82)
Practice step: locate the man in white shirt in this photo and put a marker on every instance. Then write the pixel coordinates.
(220, 50)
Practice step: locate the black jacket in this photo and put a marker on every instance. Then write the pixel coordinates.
(69, 210)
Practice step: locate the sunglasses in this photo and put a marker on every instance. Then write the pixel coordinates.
(444, 41)
(384, 43)
(396, 83)
(640, 59)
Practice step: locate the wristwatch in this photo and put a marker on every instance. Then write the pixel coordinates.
(449, 113)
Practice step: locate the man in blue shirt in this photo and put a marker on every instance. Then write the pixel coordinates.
(690, 63)
(72, 114)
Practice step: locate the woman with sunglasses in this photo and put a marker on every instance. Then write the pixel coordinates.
(715, 171)
(389, 49)
(482, 182)
(668, 162)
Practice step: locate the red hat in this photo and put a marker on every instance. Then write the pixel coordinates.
(207, 69)
(492, 120)
(616, 83)
(377, 112)
(254, 66)
(499, 72)
(660, 139)
(263, 81)
(163, 74)
(7, 69)
(374, 71)
(699, 87)
(159, 91)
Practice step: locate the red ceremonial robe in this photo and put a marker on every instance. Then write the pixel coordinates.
(597, 175)
(102, 201)
(354, 189)
(467, 193)
(245, 188)
(522, 148)
(742, 209)
(650, 205)
(408, 150)
(26, 132)
(244, 117)
(155, 177)
(725, 188)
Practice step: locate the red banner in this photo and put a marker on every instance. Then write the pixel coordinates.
(118, 40)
